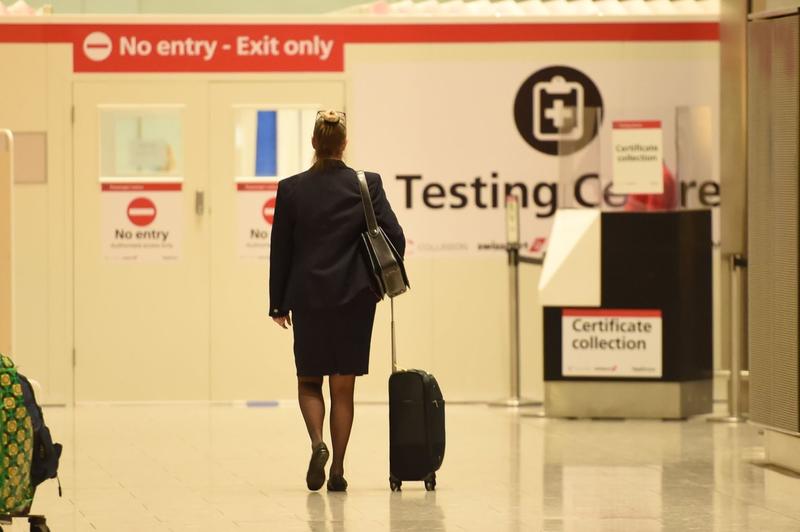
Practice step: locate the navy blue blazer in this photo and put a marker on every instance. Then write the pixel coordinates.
(316, 257)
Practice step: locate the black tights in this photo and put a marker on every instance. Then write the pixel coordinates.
(312, 405)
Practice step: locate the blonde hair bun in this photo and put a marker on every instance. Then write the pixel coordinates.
(330, 116)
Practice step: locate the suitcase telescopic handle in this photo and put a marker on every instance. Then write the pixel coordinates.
(394, 339)
(395, 367)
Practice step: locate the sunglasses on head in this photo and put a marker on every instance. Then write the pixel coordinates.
(342, 115)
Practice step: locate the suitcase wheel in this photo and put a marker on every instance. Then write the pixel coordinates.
(430, 482)
(40, 528)
(394, 483)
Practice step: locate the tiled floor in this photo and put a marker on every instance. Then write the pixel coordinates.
(223, 468)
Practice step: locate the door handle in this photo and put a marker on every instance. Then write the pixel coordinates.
(199, 202)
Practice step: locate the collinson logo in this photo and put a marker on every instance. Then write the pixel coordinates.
(558, 110)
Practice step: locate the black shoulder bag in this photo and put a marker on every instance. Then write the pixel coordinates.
(385, 263)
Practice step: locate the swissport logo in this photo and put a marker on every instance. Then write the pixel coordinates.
(97, 46)
(558, 110)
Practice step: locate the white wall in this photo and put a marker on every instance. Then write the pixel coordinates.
(445, 112)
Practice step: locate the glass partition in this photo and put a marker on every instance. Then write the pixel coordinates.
(141, 142)
(642, 159)
(580, 155)
(273, 142)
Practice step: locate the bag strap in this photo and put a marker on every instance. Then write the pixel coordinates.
(372, 227)
(369, 212)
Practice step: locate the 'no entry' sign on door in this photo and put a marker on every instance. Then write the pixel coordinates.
(141, 221)
(269, 210)
(142, 212)
(256, 214)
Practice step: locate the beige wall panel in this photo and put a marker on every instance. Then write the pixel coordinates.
(6, 241)
(59, 190)
(37, 98)
(23, 89)
(460, 334)
(415, 324)
(470, 337)
(733, 130)
(453, 323)
(531, 334)
(733, 176)
(141, 328)
(764, 5)
(32, 324)
(25, 106)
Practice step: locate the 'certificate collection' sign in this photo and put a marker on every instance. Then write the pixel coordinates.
(611, 343)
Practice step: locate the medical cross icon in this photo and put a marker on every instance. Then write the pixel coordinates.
(559, 114)
(558, 110)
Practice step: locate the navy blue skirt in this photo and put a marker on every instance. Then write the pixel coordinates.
(334, 341)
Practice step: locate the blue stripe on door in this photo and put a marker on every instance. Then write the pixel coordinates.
(267, 143)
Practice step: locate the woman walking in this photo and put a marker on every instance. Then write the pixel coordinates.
(320, 284)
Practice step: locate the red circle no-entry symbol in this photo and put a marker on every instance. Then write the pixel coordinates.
(142, 212)
(268, 210)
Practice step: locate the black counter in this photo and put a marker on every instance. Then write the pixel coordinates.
(653, 260)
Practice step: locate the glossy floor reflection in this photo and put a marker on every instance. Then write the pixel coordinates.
(222, 468)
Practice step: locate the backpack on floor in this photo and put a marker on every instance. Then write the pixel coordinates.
(46, 454)
(16, 442)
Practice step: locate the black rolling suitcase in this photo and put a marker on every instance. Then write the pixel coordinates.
(416, 425)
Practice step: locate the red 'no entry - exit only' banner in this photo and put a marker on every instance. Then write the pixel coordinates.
(304, 47)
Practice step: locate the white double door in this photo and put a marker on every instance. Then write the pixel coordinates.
(170, 302)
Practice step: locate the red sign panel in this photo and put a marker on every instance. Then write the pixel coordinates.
(637, 124)
(611, 313)
(190, 48)
(304, 47)
(134, 187)
(256, 187)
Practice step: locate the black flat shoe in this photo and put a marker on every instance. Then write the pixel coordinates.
(337, 483)
(315, 477)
